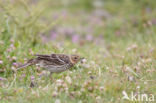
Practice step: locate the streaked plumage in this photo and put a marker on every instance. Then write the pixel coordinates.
(54, 62)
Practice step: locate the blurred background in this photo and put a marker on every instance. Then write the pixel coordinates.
(78, 21)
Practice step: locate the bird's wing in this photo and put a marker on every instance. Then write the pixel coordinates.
(53, 59)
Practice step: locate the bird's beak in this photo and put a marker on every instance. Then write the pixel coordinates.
(82, 58)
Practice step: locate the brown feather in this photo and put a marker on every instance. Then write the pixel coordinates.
(53, 62)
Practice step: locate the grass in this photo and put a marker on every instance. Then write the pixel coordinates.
(118, 44)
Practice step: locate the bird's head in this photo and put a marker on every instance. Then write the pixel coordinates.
(75, 58)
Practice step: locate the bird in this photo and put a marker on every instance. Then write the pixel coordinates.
(54, 63)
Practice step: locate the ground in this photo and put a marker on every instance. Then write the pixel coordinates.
(116, 38)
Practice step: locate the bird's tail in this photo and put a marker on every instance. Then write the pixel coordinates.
(30, 62)
(23, 65)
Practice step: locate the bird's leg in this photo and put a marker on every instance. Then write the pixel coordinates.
(50, 75)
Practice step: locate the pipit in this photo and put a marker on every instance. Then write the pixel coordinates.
(54, 63)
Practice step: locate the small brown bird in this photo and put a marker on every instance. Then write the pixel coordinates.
(54, 63)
